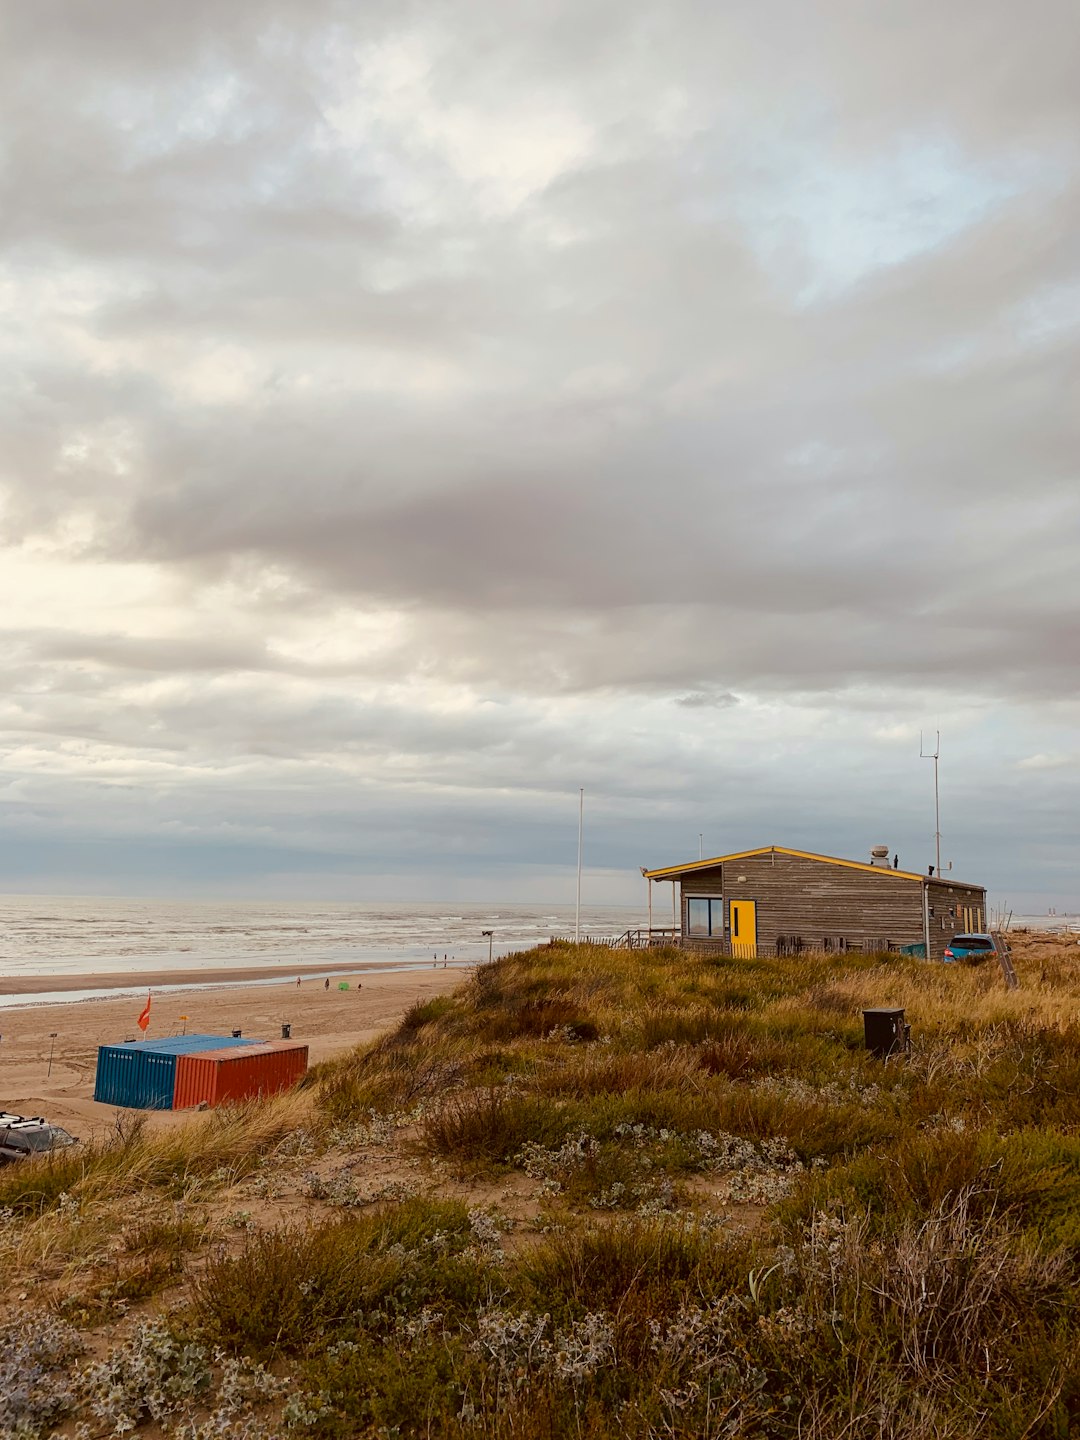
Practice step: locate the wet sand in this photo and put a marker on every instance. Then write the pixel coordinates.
(150, 980)
(327, 1020)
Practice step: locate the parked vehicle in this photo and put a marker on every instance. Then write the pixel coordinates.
(22, 1136)
(973, 947)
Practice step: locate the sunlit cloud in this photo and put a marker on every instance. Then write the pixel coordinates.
(409, 418)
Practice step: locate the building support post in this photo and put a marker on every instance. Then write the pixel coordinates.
(676, 927)
(649, 883)
(926, 916)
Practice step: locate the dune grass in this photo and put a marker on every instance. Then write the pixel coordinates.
(210, 1152)
(749, 1226)
(914, 1269)
(109, 1224)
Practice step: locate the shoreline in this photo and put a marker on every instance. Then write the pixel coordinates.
(12, 986)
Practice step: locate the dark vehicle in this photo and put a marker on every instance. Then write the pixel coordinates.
(972, 947)
(22, 1136)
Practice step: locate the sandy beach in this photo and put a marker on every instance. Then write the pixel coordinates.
(126, 980)
(328, 1020)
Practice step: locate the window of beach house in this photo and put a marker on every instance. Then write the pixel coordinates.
(705, 916)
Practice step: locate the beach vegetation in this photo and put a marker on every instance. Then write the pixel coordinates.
(213, 1151)
(723, 1217)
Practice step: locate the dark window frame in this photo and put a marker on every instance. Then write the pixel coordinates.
(715, 914)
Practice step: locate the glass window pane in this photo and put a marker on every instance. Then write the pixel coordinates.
(716, 918)
(697, 917)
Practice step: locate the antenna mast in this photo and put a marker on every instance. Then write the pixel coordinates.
(934, 755)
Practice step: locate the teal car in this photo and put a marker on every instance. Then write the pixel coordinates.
(970, 947)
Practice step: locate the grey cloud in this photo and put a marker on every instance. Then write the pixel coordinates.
(707, 700)
(587, 426)
(159, 655)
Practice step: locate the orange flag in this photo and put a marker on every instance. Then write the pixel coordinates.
(144, 1019)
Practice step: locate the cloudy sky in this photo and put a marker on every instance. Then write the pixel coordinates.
(412, 412)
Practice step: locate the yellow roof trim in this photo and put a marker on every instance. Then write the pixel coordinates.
(670, 871)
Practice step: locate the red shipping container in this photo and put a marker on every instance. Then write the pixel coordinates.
(205, 1078)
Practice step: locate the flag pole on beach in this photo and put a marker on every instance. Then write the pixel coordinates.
(580, 823)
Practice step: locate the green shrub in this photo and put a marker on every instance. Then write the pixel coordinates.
(1030, 1179)
(489, 1127)
(640, 1271)
(391, 1075)
(366, 1387)
(294, 1289)
(539, 1018)
(425, 1012)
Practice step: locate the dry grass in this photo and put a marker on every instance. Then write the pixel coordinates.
(120, 1215)
(211, 1152)
(905, 1262)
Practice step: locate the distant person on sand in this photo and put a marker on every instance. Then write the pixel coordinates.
(298, 982)
(326, 983)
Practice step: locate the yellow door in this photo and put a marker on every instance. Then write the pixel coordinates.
(744, 929)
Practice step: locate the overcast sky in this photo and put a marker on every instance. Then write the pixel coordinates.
(412, 412)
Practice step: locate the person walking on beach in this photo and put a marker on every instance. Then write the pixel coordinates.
(298, 982)
(326, 983)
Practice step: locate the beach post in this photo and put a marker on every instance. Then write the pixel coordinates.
(52, 1047)
(490, 939)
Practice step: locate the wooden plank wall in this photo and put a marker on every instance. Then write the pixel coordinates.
(827, 905)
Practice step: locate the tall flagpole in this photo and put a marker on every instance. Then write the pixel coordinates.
(580, 824)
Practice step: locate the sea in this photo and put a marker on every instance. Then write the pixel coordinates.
(77, 936)
(49, 936)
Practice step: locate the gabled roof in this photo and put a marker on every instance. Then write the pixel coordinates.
(669, 872)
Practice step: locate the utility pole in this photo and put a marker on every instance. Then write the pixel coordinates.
(934, 755)
(700, 839)
(580, 824)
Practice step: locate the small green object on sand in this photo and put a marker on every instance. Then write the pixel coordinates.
(343, 984)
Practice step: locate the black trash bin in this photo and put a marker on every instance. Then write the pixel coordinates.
(286, 1032)
(885, 1032)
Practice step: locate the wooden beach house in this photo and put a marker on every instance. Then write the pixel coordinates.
(777, 901)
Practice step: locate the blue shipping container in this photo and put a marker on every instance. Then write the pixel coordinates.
(141, 1074)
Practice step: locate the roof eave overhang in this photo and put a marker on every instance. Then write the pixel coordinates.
(675, 872)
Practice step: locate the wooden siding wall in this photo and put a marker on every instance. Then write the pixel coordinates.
(824, 904)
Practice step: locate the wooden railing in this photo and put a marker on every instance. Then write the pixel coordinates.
(641, 939)
(644, 939)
